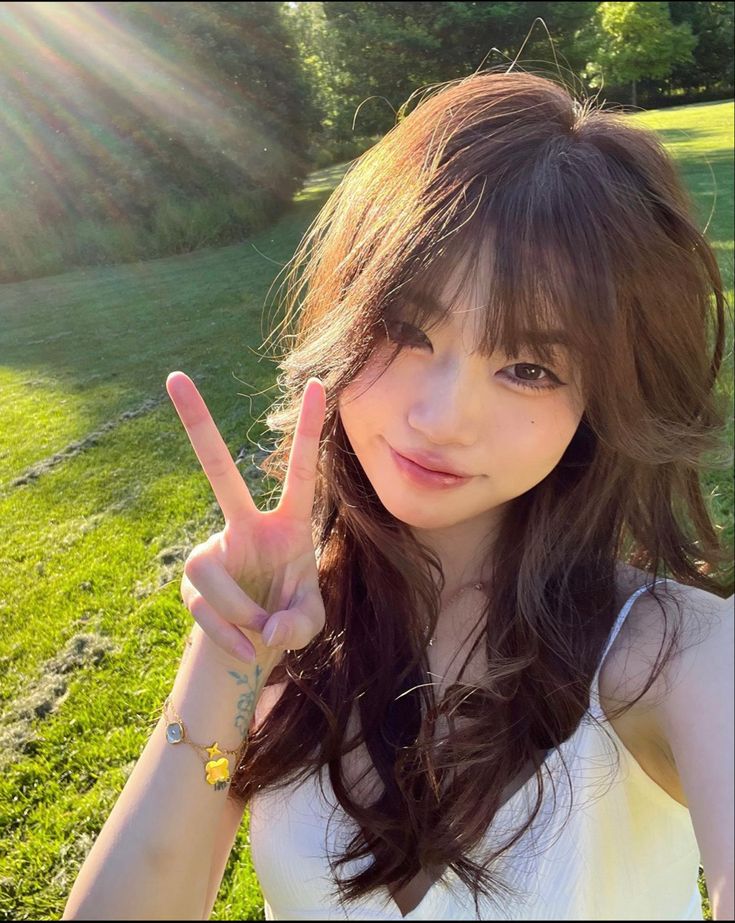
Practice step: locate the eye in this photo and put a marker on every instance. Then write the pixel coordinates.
(540, 378)
(548, 382)
(406, 334)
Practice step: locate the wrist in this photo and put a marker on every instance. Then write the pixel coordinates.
(199, 642)
(216, 694)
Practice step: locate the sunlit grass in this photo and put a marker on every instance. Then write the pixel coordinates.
(101, 500)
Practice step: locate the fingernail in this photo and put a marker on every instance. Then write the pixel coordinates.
(274, 635)
(246, 652)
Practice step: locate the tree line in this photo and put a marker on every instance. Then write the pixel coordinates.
(144, 129)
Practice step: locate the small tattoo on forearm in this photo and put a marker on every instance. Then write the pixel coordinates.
(246, 702)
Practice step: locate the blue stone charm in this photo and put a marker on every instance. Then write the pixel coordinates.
(174, 733)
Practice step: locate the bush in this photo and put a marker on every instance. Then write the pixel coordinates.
(176, 225)
(327, 152)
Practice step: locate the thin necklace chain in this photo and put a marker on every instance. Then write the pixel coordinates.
(470, 586)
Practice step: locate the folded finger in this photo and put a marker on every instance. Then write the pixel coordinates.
(211, 580)
(221, 633)
(289, 629)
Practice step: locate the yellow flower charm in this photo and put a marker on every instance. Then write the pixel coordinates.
(218, 772)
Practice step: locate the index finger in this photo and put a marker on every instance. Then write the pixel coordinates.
(227, 483)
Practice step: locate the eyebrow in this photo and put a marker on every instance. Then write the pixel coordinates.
(549, 337)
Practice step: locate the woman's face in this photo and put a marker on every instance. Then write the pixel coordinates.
(470, 413)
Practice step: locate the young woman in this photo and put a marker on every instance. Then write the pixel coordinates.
(473, 664)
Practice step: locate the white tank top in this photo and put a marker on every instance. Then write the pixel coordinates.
(627, 851)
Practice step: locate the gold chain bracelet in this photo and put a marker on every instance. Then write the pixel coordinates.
(217, 771)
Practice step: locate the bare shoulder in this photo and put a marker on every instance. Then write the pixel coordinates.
(690, 719)
(695, 615)
(703, 624)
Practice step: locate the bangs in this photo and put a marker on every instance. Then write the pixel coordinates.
(504, 321)
(533, 261)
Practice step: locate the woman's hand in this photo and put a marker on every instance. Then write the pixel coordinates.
(253, 586)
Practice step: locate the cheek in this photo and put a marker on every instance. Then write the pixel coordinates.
(364, 402)
(537, 437)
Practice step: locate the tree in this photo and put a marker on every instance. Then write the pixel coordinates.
(634, 40)
(712, 23)
(374, 56)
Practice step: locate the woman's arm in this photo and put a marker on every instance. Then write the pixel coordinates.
(152, 858)
(233, 813)
(224, 840)
(696, 717)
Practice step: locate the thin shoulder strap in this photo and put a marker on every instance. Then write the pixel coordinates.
(617, 625)
(623, 614)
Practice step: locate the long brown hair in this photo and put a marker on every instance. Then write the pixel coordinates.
(585, 222)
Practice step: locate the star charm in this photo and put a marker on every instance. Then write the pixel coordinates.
(213, 751)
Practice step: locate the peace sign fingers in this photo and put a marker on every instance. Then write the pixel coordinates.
(227, 483)
(297, 499)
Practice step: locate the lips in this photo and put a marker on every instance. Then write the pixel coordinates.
(432, 463)
(425, 478)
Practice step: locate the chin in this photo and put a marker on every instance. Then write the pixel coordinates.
(417, 514)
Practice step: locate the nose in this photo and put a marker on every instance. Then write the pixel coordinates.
(446, 408)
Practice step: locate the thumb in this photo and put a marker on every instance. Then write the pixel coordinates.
(289, 629)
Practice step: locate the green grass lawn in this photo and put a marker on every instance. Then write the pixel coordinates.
(102, 499)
